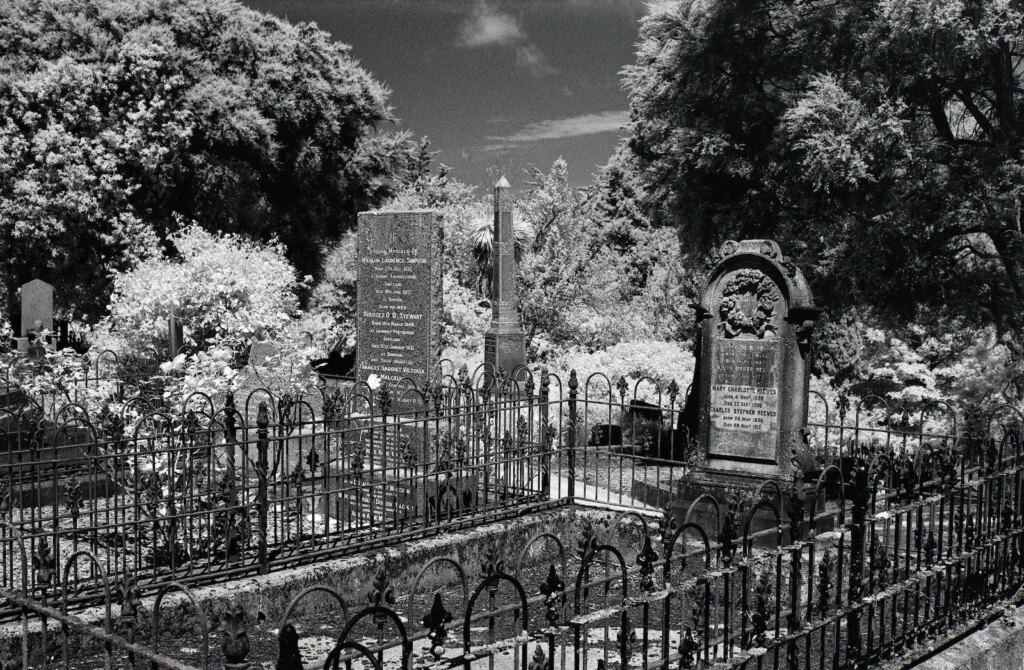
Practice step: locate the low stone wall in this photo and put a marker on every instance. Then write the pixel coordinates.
(997, 646)
(268, 595)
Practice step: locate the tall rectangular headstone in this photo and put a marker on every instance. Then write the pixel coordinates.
(36, 307)
(504, 342)
(399, 296)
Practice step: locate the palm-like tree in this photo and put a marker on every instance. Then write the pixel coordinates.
(483, 248)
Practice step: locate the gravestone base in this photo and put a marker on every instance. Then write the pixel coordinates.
(505, 349)
(720, 484)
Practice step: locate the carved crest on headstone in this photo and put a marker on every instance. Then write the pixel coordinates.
(748, 304)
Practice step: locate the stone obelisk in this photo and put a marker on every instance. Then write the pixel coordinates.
(504, 343)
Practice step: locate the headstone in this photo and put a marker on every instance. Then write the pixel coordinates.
(36, 307)
(175, 334)
(756, 317)
(504, 342)
(399, 298)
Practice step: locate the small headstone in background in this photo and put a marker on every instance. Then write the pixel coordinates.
(36, 307)
(175, 334)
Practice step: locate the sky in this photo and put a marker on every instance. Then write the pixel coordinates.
(493, 83)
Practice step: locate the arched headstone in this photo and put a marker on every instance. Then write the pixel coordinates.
(756, 316)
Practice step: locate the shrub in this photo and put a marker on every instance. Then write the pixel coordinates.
(223, 287)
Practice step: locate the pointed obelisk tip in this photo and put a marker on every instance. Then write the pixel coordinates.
(502, 183)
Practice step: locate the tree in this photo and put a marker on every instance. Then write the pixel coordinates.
(118, 117)
(879, 142)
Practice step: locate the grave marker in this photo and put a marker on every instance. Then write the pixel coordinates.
(756, 317)
(36, 307)
(399, 279)
(504, 342)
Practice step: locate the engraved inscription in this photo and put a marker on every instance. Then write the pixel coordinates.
(744, 407)
(395, 267)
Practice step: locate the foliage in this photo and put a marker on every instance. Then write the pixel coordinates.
(878, 142)
(335, 295)
(116, 118)
(655, 360)
(220, 285)
(917, 365)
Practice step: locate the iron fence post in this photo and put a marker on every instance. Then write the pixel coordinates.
(570, 434)
(545, 443)
(262, 465)
(860, 495)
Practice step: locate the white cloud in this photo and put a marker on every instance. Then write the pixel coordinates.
(486, 26)
(573, 126)
(532, 58)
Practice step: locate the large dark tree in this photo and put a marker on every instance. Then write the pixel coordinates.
(120, 118)
(879, 141)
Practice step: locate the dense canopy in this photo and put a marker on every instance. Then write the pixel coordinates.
(879, 142)
(120, 118)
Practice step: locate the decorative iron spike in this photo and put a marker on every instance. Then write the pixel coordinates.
(646, 560)
(687, 649)
(44, 564)
(381, 593)
(73, 498)
(436, 624)
(673, 392)
(384, 398)
(553, 591)
(588, 539)
(127, 595)
(493, 562)
(288, 657)
(622, 386)
(539, 661)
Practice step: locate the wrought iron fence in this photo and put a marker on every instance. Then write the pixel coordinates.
(920, 512)
(917, 548)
